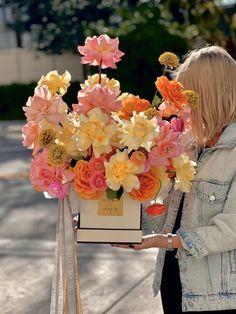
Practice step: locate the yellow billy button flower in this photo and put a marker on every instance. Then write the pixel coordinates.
(169, 59)
(193, 98)
(47, 137)
(57, 155)
(56, 83)
(151, 113)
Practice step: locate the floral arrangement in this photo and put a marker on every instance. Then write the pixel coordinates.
(109, 142)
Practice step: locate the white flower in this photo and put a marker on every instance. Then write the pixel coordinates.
(96, 130)
(138, 132)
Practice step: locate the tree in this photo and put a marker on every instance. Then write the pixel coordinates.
(203, 22)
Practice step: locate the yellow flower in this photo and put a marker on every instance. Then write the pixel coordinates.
(57, 155)
(169, 59)
(192, 97)
(185, 171)
(120, 171)
(56, 83)
(162, 175)
(70, 125)
(138, 132)
(95, 130)
(151, 113)
(47, 137)
(92, 80)
(125, 96)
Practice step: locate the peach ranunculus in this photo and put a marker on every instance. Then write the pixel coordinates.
(97, 97)
(138, 158)
(30, 133)
(172, 92)
(132, 103)
(155, 209)
(97, 181)
(56, 83)
(43, 105)
(102, 51)
(92, 80)
(150, 184)
(81, 184)
(96, 164)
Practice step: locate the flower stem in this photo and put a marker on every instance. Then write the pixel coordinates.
(100, 72)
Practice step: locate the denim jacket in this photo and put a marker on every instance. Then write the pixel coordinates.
(207, 232)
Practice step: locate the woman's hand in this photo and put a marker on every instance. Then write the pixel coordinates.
(148, 242)
(153, 241)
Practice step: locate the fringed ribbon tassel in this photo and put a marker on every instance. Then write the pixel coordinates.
(65, 296)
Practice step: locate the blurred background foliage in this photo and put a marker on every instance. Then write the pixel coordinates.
(145, 30)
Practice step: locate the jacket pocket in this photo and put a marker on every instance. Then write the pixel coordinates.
(232, 261)
(211, 190)
(211, 195)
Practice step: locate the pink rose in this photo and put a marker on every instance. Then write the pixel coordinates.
(98, 96)
(101, 50)
(43, 105)
(96, 164)
(98, 181)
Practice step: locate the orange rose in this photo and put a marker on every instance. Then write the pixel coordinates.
(155, 209)
(172, 92)
(149, 185)
(130, 104)
(81, 185)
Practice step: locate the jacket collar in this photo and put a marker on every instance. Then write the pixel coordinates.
(228, 137)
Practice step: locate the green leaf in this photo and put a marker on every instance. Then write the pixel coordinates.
(110, 194)
(156, 101)
(119, 193)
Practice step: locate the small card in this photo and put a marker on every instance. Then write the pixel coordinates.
(108, 207)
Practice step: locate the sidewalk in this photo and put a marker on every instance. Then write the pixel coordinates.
(112, 280)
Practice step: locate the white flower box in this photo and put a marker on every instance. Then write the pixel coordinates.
(106, 221)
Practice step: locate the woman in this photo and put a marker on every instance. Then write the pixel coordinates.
(199, 274)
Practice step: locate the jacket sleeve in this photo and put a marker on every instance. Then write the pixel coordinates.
(218, 236)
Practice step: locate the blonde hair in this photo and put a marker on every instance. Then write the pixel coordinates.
(211, 72)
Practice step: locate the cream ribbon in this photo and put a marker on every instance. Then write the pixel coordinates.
(65, 296)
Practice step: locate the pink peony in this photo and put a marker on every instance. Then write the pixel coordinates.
(98, 96)
(43, 176)
(102, 51)
(30, 134)
(97, 181)
(96, 164)
(43, 105)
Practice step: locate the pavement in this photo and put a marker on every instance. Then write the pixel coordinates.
(112, 280)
